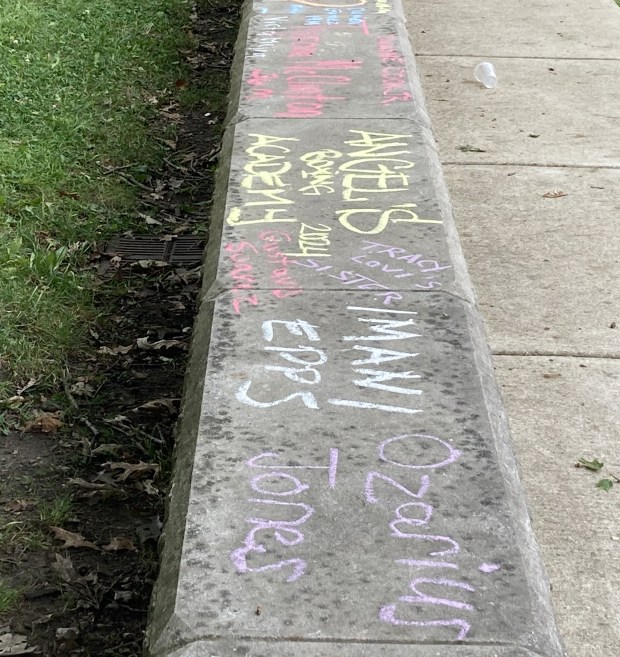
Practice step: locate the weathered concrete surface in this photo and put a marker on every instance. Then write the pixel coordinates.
(344, 481)
(563, 409)
(546, 269)
(319, 62)
(528, 28)
(339, 205)
(529, 277)
(254, 648)
(416, 486)
(526, 101)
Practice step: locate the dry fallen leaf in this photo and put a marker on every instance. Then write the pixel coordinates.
(120, 543)
(159, 405)
(115, 351)
(17, 506)
(143, 343)
(108, 448)
(44, 423)
(72, 540)
(97, 491)
(551, 375)
(556, 194)
(134, 470)
(14, 644)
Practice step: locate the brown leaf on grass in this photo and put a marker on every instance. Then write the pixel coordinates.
(72, 540)
(17, 506)
(556, 194)
(44, 423)
(134, 470)
(120, 543)
(72, 195)
(115, 351)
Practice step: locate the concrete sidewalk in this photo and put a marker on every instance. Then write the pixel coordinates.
(545, 270)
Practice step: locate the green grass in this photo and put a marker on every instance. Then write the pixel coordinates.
(8, 598)
(79, 82)
(57, 512)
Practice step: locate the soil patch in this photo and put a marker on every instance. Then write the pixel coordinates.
(83, 487)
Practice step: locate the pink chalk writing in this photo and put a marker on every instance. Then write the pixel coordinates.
(279, 528)
(307, 84)
(412, 453)
(453, 454)
(270, 244)
(259, 83)
(241, 274)
(358, 281)
(393, 72)
(397, 263)
(488, 567)
(284, 530)
(331, 468)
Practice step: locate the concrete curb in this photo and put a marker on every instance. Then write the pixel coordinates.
(340, 371)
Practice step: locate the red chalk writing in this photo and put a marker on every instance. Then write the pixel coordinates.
(394, 77)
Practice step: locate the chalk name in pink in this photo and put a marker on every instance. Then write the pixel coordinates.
(271, 242)
(278, 482)
(415, 455)
(393, 71)
(398, 263)
(242, 274)
(306, 85)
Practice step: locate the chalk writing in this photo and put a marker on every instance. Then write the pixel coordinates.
(369, 165)
(332, 3)
(243, 278)
(310, 358)
(418, 452)
(312, 240)
(333, 16)
(320, 172)
(284, 530)
(270, 244)
(307, 84)
(394, 78)
(376, 168)
(351, 278)
(307, 374)
(382, 329)
(384, 257)
(265, 40)
(263, 182)
(259, 83)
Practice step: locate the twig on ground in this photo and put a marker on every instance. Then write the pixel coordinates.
(108, 170)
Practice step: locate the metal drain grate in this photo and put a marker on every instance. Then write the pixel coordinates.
(180, 250)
